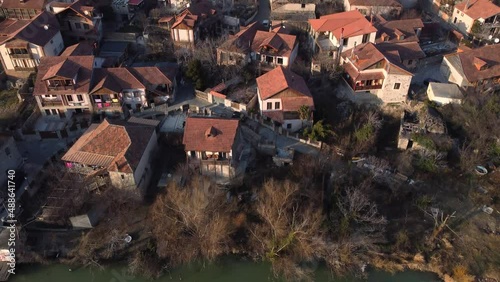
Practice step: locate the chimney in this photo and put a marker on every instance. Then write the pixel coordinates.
(371, 19)
(352, 51)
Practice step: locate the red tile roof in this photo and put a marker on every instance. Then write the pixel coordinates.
(478, 9)
(488, 54)
(353, 23)
(84, 74)
(118, 147)
(281, 44)
(29, 4)
(390, 28)
(221, 138)
(150, 75)
(84, 48)
(280, 79)
(39, 30)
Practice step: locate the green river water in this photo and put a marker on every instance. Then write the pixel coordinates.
(226, 271)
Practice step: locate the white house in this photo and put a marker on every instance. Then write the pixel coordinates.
(25, 42)
(341, 31)
(468, 11)
(281, 93)
(444, 93)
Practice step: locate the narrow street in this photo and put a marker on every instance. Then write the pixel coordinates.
(264, 11)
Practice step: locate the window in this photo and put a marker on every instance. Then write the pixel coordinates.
(280, 61)
(79, 97)
(78, 26)
(70, 98)
(257, 57)
(276, 105)
(455, 20)
(289, 126)
(123, 176)
(410, 62)
(51, 41)
(269, 105)
(387, 38)
(366, 37)
(397, 85)
(47, 112)
(346, 41)
(85, 26)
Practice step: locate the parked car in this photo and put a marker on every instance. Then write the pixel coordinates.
(265, 23)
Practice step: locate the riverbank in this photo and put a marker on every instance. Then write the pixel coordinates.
(225, 270)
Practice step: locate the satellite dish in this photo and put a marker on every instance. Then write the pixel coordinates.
(86, 12)
(496, 40)
(46, 27)
(490, 37)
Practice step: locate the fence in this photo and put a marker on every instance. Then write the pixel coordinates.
(282, 131)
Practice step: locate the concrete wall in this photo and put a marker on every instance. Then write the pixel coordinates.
(54, 47)
(352, 41)
(375, 10)
(441, 100)
(463, 22)
(11, 159)
(452, 74)
(144, 171)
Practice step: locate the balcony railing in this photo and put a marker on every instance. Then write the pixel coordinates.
(367, 87)
(24, 69)
(20, 56)
(51, 103)
(105, 106)
(61, 87)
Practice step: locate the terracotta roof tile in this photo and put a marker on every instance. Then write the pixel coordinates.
(278, 80)
(221, 138)
(83, 48)
(84, 74)
(392, 28)
(150, 75)
(353, 23)
(30, 4)
(39, 30)
(65, 69)
(478, 9)
(283, 44)
(489, 54)
(118, 147)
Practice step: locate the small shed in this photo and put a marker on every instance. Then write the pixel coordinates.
(444, 93)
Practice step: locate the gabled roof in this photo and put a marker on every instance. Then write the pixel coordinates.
(83, 48)
(280, 79)
(353, 23)
(283, 44)
(80, 8)
(393, 28)
(478, 9)
(118, 147)
(84, 74)
(28, 4)
(368, 54)
(378, 3)
(38, 31)
(209, 134)
(115, 79)
(64, 69)
(185, 19)
(150, 75)
(466, 61)
(405, 50)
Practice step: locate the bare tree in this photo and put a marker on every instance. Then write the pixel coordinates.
(192, 222)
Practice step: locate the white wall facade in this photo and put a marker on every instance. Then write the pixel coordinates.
(462, 21)
(182, 35)
(452, 74)
(352, 41)
(441, 100)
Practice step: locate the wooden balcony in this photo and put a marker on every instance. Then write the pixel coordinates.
(52, 103)
(24, 69)
(21, 56)
(61, 87)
